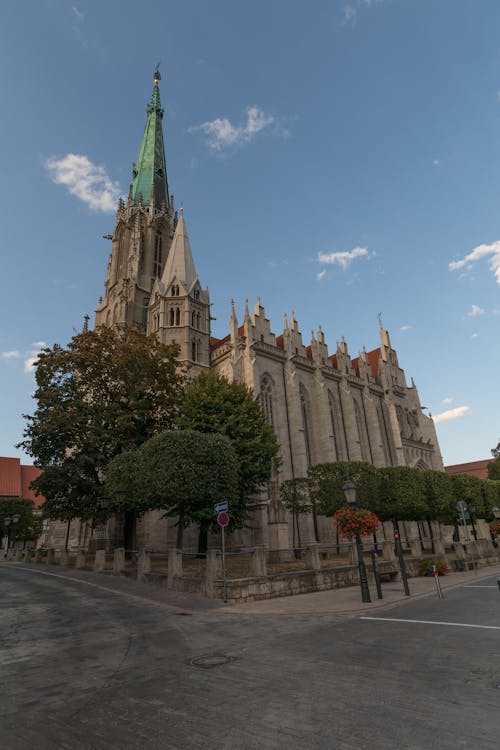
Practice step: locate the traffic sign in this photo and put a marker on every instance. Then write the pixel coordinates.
(222, 519)
(221, 507)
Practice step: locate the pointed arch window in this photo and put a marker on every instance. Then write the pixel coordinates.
(266, 397)
(335, 426)
(158, 257)
(177, 316)
(305, 406)
(361, 432)
(171, 317)
(193, 351)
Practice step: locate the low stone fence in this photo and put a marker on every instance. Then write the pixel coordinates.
(260, 573)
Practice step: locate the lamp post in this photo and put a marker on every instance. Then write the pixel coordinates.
(350, 491)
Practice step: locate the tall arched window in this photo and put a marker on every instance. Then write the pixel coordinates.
(361, 432)
(266, 397)
(158, 255)
(171, 317)
(305, 406)
(193, 351)
(335, 426)
(193, 319)
(382, 426)
(177, 316)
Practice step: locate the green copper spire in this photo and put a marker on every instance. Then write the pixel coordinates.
(149, 175)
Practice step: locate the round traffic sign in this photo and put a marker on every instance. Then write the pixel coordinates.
(223, 519)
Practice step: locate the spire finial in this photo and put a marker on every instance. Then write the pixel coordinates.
(157, 76)
(86, 319)
(380, 321)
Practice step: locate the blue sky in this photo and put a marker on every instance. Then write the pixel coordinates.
(339, 159)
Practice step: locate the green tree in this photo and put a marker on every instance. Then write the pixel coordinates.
(296, 497)
(183, 472)
(402, 494)
(214, 405)
(326, 482)
(29, 526)
(494, 469)
(495, 452)
(440, 497)
(107, 392)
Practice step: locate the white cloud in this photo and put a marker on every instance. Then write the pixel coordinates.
(221, 133)
(32, 355)
(87, 181)
(404, 328)
(78, 13)
(321, 275)
(456, 413)
(436, 162)
(13, 354)
(474, 336)
(448, 400)
(343, 258)
(349, 13)
(474, 311)
(492, 252)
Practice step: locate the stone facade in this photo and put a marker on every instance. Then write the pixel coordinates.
(323, 407)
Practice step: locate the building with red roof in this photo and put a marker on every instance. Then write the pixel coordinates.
(474, 468)
(16, 478)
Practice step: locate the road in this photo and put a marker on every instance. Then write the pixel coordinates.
(90, 663)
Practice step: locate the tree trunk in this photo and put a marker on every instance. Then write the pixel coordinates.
(431, 534)
(67, 536)
(180, 532)
(203, 539)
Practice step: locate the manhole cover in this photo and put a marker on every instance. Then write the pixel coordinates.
(213, 660)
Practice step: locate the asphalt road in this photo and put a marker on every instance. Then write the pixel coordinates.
(86, 667)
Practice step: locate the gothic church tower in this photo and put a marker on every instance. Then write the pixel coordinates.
(143, 231)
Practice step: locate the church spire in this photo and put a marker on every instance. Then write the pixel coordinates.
(149, 174)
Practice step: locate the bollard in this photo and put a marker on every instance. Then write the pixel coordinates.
(118, 561)
(100, 560)
(80, 559)
(143, 565)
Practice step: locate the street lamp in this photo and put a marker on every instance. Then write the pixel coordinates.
(350, 491)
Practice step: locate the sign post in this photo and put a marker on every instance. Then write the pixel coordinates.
(223, 519)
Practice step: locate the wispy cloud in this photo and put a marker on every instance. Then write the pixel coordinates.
(89, 182)
(349, 12)
(13, 354)
(32, 356)
(475, 311)
(222, 134)
(321, 275)
(491, 252)
(456, 413)
(80, 17)
(404, 328)
(448, 400)
(343, 258)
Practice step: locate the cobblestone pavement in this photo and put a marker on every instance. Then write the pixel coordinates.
(91, 661)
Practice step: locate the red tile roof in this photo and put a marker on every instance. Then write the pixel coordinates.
(280, 342)
(475, 468)
(15, 479)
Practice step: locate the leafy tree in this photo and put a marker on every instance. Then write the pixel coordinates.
(469, 488)
(213, 404)
(107, 392)
(296, 497)
(440, 497)
(494, 469)
(29, 526)
(326, 482)
(183, 472)
(495, 452)
(402, 494)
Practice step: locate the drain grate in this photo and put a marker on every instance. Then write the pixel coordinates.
(211, 661)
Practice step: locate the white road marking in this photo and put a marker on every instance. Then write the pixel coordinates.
(433, 622)
(472, 586)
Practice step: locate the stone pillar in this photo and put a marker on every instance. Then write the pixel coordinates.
(119, 561)
(38, 555)
(439, 547)
(388, 552)
(27, 555)
(100, 560)
(212, 571)
(18, 555)
(459, 550)
(64, 559)
(415, 548)
(144, 565)
(175, 566)
(258, 562)
(312, 557)
(80, 559)
(50, 557)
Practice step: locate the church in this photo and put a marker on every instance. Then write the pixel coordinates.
(323, 406)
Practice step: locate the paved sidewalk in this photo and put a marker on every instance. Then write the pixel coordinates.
(347, 601)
